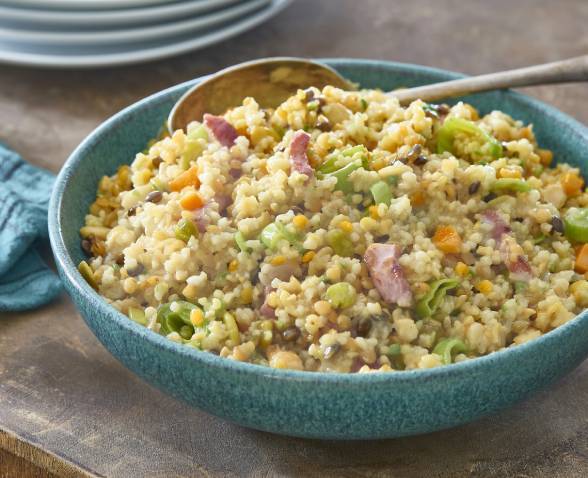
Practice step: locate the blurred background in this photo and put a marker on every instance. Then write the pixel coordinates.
(45, 113)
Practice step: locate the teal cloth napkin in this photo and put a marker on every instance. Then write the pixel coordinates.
(26, 281)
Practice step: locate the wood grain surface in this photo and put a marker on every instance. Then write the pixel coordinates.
(68, 408)
(10, 463)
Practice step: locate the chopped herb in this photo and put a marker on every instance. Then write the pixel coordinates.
(341, 295)
(454, 126)
(427, 306)
(576, 224)
(381, 193)
(510, 184)
(449, 347)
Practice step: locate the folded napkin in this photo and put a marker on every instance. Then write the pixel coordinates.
(26, 281)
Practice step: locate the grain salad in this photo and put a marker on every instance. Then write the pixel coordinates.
(341, 232)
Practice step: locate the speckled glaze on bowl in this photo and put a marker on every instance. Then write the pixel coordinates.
(318, 405)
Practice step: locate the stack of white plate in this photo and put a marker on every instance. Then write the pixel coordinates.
(92, 33)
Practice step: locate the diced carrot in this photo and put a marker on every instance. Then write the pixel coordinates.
(191, 200)
(526, 132)
(308, 256)
(572, 184)
(582, 260)
(447, 239)
(417, 199)
(546, 156)
(243, 131)
(187, 178)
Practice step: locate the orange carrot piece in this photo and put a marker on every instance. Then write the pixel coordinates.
(572, 184)
(417, 199)
(546, 156)
(582, 260)
(191, 201)
(447, 239)
(187, 178)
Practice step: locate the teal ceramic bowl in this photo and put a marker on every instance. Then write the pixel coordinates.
(318, 405)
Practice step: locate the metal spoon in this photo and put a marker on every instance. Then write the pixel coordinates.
(271, 80)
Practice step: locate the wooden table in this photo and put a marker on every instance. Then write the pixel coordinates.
(68, 408)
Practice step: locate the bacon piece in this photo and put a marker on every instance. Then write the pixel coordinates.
(201, 219)
(223, 201)
(387, 274)
(267, 311)
(222, 130)
(329, 326)
(283, 272)
(499, 226)
(235, 173)
(514, 259)
(512, 254)
(298, 155)
(357, 364)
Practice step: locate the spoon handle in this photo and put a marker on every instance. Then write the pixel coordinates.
(573, 69)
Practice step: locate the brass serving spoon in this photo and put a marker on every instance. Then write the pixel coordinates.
(271, 80)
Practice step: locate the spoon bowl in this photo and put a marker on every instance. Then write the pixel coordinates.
(270, 81)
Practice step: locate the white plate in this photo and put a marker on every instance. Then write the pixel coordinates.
(83, 4)
(88, 58)
(11, 17)
(122, 36)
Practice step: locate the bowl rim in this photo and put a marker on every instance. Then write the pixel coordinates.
(70, 274)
